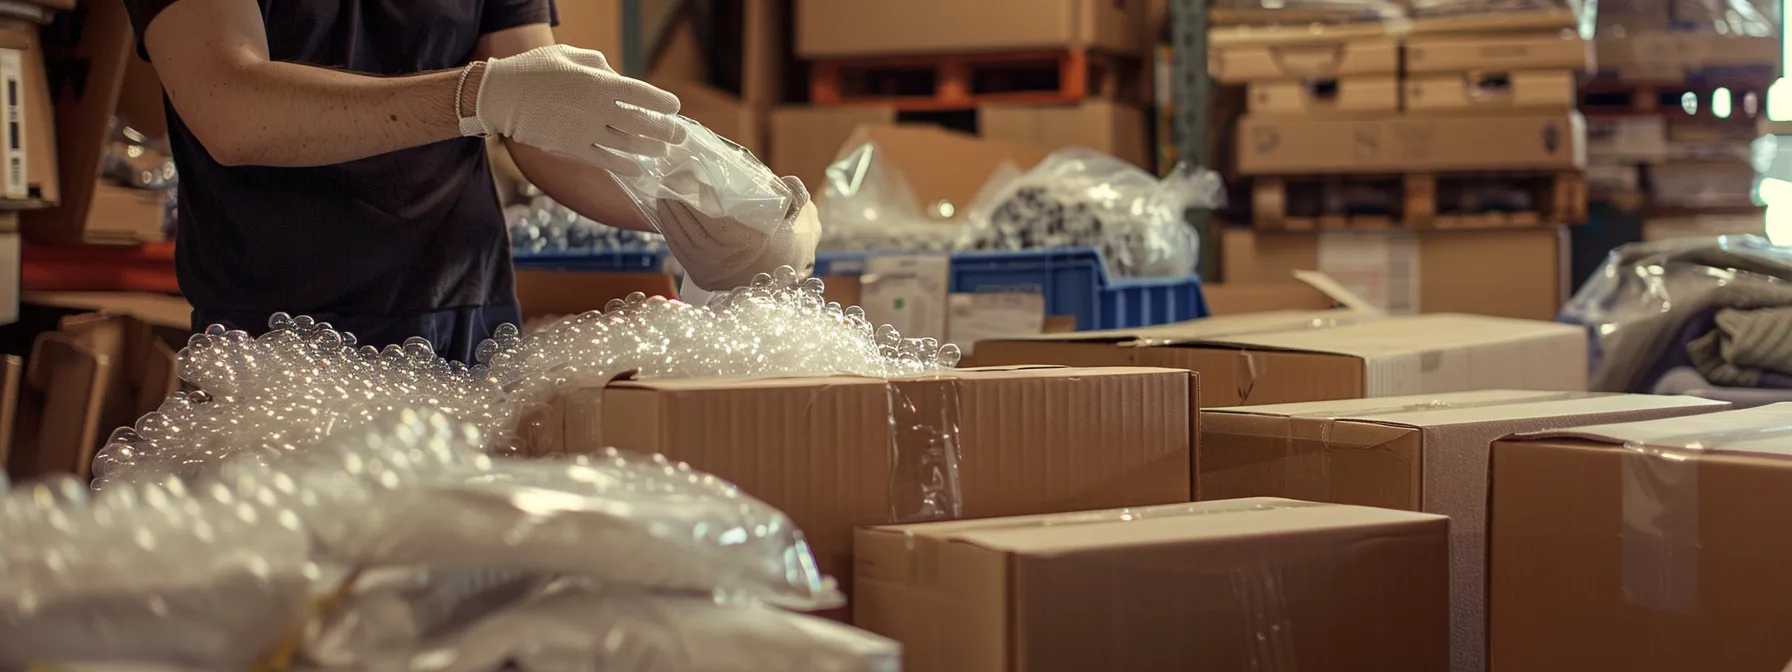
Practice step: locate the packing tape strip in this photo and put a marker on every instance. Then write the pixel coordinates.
(1659, 522)
(924, 450)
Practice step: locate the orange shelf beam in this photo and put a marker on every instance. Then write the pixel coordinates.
(99, 268)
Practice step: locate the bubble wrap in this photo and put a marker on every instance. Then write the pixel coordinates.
(303, 381)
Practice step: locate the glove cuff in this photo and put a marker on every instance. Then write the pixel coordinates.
(471, 126)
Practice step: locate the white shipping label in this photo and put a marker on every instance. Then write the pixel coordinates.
(977, 317)
(1380, 266)
(908, 292)
(12, 86)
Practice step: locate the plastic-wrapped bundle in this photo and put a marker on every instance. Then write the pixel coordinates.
(577, 626)
(869, 206)
(134, 160)
(714, 176)
(212, 580)
(419, 491)
(1082, 198)
(304, 381)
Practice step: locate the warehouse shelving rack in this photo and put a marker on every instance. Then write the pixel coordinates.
(1191, 90)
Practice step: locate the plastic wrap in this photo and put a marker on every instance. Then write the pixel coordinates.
(1082, 198)
(135, 160)
(544, 226)
(574, 626)
(712, 175)
(868, 206)
(1650, 304)
(303, 381)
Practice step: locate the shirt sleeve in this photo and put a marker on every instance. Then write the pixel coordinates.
(144, 11)
(507, 14)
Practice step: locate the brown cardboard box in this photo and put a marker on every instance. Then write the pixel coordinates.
(806, 139)
(1424, 453)
(1240, 585)
(1704, 226)
(1029, 441)
(834, 28)
(1424, 354)
(33, 182)
(1504, 53)
(1240, 298)
(1643, 547)
(1306, 146)
(1120, 347)
(1703, 184)
(1520, 273)
(1236, 65)
(1106, 126)
(592, 24)
(941, 165)
(1523, 89)
(1365, 93)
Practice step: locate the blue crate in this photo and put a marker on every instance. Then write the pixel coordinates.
(614, 261)
(1075, 282)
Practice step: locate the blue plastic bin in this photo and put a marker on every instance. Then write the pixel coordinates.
(615, 261)
(1074, 281)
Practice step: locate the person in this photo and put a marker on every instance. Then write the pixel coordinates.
(332, 164)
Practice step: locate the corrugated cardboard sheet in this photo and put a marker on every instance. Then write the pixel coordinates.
(1420, 453)
(1643, 547)
(1255, 584)
(833, 28)
(837, 453)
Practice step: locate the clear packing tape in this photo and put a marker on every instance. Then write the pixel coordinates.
(1651, 307)
(1074, 198)
(406, 545)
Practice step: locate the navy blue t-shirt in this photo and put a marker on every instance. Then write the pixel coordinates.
(402, 244)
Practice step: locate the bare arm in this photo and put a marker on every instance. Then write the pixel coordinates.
(587, 189)
(212, 57)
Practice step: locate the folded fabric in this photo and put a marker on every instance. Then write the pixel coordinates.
(1744, 345)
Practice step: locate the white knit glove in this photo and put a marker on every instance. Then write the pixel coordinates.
(570, 101)
(719, 254)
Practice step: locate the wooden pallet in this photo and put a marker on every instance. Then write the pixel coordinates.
(961, 81)
(1419, 201)
(1611, 96)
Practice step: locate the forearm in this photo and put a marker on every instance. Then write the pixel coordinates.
(268, 113)
(587, 189)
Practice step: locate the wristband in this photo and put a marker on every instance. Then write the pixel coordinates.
(470, 126)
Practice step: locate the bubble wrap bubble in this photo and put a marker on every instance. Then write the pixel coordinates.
(304, 381)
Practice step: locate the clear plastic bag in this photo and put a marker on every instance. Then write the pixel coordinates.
(714, 176)
(577, 626)
(868, 206)
(1648, 302)
(1083, 198)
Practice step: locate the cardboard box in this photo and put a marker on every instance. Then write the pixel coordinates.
(835, 28)
(1637, 139)
(806, 139)
(1364, 93)
(1704, 226)
(1365, 357)
(1503, 53)
(1665, 56)
(1524, 89)
(1425, 453)
(1105, 126)
(1295, 146)
(1519, 273)
(1236, 65)
(1240, 298)
(1240, 585)
(823, 450)
(940, 166)
(1703, 184)
(28, 175)
(1643, 547)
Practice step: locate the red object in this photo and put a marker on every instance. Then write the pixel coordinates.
(99, 268)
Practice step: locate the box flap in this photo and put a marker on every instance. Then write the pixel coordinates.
(1399, 336)
(1207, 327)
(162, 310)
(1765, 430)
(1153, 525)
(1436, 410)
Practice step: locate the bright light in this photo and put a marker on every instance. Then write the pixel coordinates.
(1720, 103)
(1689, 101)
(1779, 100)
(1751, 104)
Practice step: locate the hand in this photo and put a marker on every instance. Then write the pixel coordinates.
(569, 101)
(721, 254)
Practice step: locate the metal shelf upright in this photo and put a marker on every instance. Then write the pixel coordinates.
(1191, 93)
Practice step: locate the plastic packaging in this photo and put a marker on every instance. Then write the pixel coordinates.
(574, 626)
(868, 206)
(1082, 198)
(1650, 304)
(543, 226)
(714, 176)
(303, 381)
